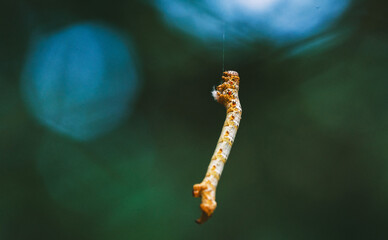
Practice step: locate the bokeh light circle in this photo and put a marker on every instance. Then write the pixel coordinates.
(80, 81)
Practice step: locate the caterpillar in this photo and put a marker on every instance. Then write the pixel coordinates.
(226, 94)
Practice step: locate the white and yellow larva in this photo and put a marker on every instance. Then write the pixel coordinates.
(226, 94)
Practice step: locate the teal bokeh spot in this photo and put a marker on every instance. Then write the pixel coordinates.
(80, 81)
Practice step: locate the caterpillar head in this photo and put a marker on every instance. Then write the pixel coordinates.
(227, 90)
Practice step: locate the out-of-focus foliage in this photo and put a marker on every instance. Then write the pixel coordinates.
(310, 159)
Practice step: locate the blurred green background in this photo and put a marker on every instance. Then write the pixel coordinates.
(310, 160)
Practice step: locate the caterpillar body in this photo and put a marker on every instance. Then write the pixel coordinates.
(227, 94)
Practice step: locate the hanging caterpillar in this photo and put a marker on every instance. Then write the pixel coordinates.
(227, 94)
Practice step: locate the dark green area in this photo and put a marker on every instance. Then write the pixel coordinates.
(310, 159)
